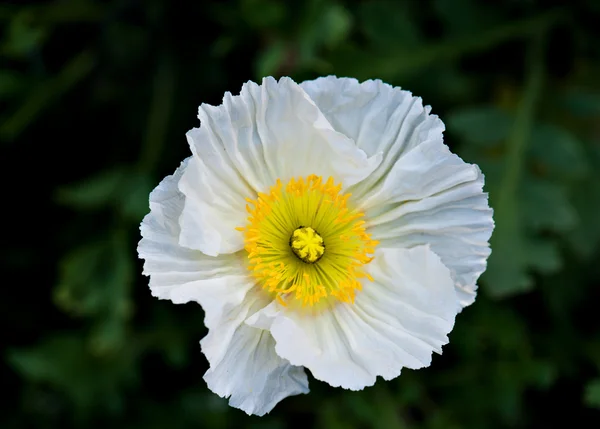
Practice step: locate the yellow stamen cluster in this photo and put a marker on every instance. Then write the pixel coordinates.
(304, 244)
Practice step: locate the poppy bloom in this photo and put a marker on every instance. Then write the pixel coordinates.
(322, 226)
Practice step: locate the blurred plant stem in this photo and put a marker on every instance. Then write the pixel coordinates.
(389, 67)
(44, 94)
(459, 47)
(159, 114)
(505, 273)
(521, 134)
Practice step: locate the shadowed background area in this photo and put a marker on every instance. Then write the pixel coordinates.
(95, 100)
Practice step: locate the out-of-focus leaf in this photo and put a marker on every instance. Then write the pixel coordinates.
(464, 17)
(126, 42)
(388, 24)
(585, 238)
(95, 282)
(542, 373)
(270, 59)
(11, 84)
(23, 35)
(167, 338)
(447, 84)
(326, 24)
(133, 202)
(544, 205)
(43, 94)
(329, 417)
(396, 65)
(337, 23)
(125, 191)
(93, 192)
(262, 13)
(376, 409)
(96, 278)
(592, 393)
(582, 103)
(65, 362)
(323, 25)
(481, 125)
(543, 255)
(223, 45)
(556, 152)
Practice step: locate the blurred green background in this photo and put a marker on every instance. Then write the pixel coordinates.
(95, 100)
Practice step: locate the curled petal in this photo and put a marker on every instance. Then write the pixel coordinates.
(252, 375)
(430, 196)
(171, 267)
(396, 321)
(420, 193)
(268, 132)
(221, 285)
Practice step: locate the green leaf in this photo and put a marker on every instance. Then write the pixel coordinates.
(93, 192)
(396, 64)
(337, 23)
(23, 35)
(133, 196)
(388, 24)
(126, 191)
(480, 125)
(545, 205)
(465, 17)
(95, 278)
(506, 273)
(11, 84)
(42, 95)
(64, 362)
(582, 103)
(585, 238)
(270, 59)
(592, 394)
(556, 152)
(322, 25)
(543, 256)
(541, 373)
(262, 13)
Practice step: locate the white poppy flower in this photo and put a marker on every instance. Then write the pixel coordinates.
(323, 226)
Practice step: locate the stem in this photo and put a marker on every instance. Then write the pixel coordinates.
(158, 117)
(45, 93)
(520, 137)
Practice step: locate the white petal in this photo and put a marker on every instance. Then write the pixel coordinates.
(383, 120)
(420, 193)
(174, 269)
(222, 287)
(430, 196)
(270, 131)
(249, 371)
(214, 207)
(396, 321)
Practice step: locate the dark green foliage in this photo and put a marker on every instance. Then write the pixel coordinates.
(95, 99)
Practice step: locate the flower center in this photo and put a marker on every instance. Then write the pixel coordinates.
(294, 262)
(307, 244)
